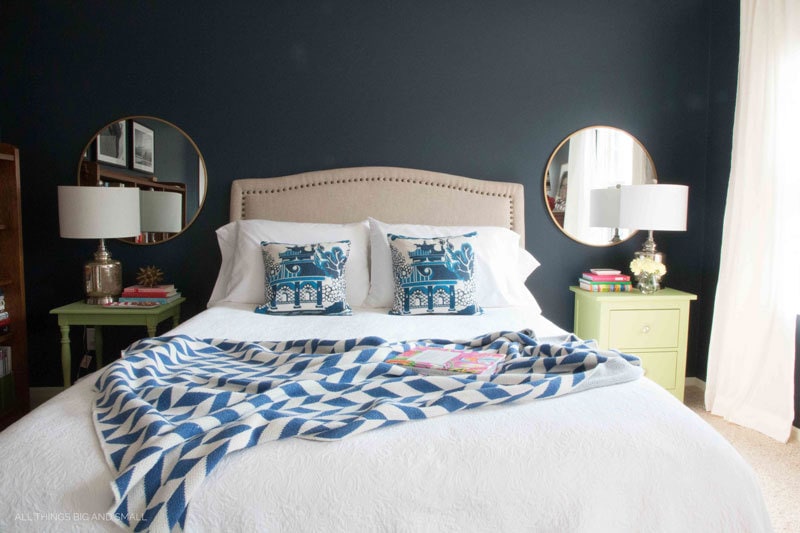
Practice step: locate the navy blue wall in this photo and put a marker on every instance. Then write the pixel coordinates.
(724, 61)
(268, 88)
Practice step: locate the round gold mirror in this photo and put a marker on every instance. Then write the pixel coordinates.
(161, 160)
(581, 177)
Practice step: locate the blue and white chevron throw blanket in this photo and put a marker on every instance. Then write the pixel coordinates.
(173, 407)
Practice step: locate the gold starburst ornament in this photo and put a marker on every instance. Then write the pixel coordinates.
(149, 276)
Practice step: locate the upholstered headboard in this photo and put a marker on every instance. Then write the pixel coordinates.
(393, 195)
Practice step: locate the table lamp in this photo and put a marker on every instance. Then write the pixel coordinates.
(604, 210)
(161, 212)
(653, 207)
(99, 213)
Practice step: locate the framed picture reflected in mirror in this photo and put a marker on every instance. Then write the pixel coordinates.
(143, 148)
(112, 145)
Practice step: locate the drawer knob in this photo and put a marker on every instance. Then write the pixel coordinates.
(645, 329)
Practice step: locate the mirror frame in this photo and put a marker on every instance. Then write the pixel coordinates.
(135, 174)
(553, 155)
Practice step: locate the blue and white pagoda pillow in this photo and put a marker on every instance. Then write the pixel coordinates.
(434, 275)
(305, 279)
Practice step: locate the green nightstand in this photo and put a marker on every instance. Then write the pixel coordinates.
(653, 327)
(83, 314)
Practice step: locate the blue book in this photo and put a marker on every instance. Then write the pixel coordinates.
(166, 300)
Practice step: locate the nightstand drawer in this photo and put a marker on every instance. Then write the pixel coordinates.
(639, 328)
(660, 367)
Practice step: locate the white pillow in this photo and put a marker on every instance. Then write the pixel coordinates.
(501, 266)
(241, 274)
(226, 239)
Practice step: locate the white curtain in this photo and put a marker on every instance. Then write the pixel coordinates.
(751, 355)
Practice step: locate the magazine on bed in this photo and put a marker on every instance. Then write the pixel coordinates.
(435, 361)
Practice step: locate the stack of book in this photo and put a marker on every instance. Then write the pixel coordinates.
(605, 280)
(5, 320)
(159, 294)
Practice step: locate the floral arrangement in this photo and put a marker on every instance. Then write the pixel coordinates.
(646, 265)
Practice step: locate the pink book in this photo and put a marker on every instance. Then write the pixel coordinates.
(159, 291)
(605, 277)
(155, 288)
(445, 361)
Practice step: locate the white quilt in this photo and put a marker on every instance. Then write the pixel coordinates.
(629, 457)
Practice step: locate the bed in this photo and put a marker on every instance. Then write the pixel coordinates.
(626, 456)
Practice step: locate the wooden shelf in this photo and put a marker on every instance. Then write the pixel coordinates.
(13, 284)
(94, 174)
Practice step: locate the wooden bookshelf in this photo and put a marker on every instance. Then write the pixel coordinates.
(94, 174)
(14, 387)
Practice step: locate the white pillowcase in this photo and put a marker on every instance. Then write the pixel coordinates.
(241, 274)
(501, 266)
(226, 240)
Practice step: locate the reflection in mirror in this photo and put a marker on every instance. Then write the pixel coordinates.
(161, 160)
(599, 159)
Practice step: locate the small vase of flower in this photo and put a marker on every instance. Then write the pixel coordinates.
(648, 274)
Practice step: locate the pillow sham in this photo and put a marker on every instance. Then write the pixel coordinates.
(305, 279)
(241, 275)
(226, 240)
(434, 275)
(501, 266)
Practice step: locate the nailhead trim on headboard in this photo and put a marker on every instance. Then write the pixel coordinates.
(328, 181)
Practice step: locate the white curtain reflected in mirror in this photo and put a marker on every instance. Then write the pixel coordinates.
(594, 158)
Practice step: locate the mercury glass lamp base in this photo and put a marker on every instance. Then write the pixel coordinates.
(100, 301)
(658, 257)
(102, 277)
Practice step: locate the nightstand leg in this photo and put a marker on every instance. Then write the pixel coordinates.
(66, 356)
(151, 330)
(98, 346)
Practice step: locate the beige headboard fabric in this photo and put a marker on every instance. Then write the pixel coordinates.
(390, 194)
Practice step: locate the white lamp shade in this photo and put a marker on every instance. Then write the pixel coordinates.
(98, 212)
(604, 207)
(161, 211)
(659, 207)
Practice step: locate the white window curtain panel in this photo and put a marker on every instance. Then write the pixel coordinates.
(750, 378)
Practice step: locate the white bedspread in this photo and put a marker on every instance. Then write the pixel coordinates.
(237, 321)
(624, 458)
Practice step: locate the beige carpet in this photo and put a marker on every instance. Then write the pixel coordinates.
(777, 465)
